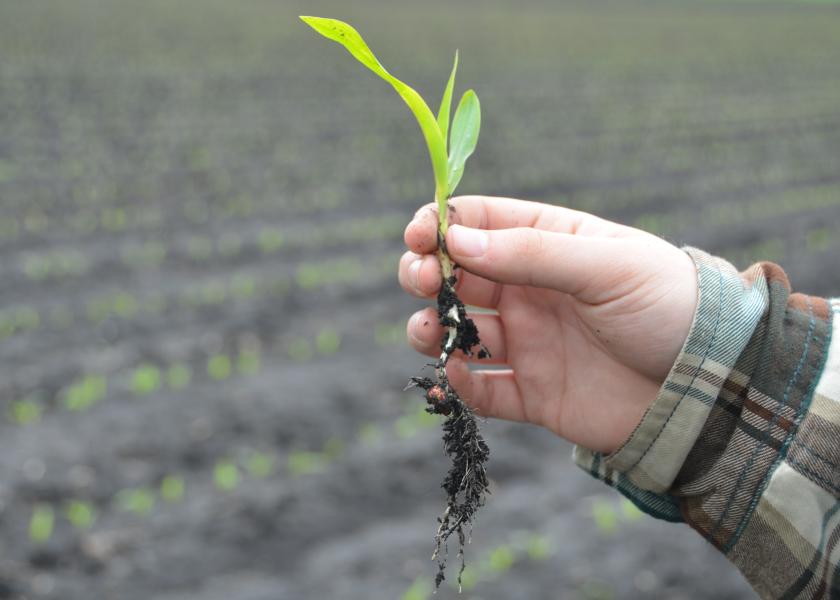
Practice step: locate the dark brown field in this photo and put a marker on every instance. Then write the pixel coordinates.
(201, 334)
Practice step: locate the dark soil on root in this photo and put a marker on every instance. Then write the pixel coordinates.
(466, 484)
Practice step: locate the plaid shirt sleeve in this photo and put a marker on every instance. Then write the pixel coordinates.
(743, 440)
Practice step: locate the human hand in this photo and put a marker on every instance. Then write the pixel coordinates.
(590, 314)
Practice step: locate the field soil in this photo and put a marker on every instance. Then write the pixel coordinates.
(202, 347)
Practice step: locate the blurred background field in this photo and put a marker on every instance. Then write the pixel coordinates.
(201, 334)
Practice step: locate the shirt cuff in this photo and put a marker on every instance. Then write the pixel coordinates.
(729, 308)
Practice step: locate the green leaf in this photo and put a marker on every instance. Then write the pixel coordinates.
(344, 34)
(464, 136)
(446, 103)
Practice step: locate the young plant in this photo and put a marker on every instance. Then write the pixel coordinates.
(449, 148)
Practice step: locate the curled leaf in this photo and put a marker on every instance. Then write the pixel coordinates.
(446, 102)
(347, 36)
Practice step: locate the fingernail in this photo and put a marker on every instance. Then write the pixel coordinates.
(414, 273)
(413, 324)
(467, 242)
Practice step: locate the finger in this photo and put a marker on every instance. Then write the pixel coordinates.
(420, 276)
(486, 212)
(425, 333)
(493, 394)
(475, 291)
(421, 233)
(568, 263)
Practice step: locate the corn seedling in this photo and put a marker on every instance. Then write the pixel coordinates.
(80, 514)
(219, 367)
(27, 318)
(333, 448)
(61, 317)
(139, 501)
(226, 475)
(213, 293)
(629, 511)
(85, 393)
(594, 589)
(410, 424)
(389, 334)
(328, 342)
(243, 286)
(172, 488)
(41, 523)
(538, 547)
(303, 462)
(25, 411)
(270, 240)
(300, 350)
(520, 546)
(248, 362)
(17, 320)
(260, 464)
(419, 590)
(369, 434)
(7, 171)
(605, 516)
(449, 148)
(146, 255)
(199, 248)
(178, 376)
(145, 380)
(821, 239)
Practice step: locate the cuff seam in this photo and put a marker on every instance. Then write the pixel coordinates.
(718, 311)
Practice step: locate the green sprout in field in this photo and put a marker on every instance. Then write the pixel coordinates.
(449, 148)
(41, 523)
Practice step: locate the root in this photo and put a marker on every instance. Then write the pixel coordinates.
(466, 483)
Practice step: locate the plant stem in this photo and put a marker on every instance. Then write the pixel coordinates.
(443, 227)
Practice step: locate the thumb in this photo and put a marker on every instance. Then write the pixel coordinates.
(565, 262)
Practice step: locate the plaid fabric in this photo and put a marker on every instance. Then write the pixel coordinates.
(743, 440)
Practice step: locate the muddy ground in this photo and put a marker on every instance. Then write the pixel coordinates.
(201, 335)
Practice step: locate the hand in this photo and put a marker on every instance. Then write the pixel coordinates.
(590, 314)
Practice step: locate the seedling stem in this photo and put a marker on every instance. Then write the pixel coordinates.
(449, 148)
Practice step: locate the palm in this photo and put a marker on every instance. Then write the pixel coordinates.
(569, 380)
(586, 361)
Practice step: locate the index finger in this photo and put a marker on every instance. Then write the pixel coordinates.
(486, 212)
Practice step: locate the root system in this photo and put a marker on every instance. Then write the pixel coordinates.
(466, 482)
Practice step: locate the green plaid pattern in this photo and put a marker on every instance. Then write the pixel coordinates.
(743, 440)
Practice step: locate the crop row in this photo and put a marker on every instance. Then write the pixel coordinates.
(308, 277)
(786, 203)
(608, 515)
(492, 564)
(90, 389)
(227, 475)
(727, 140)
(198, 249)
